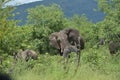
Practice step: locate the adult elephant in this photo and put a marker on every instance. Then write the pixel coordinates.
(60, 41)
(26, 55)
(113, 47)
(75, 38)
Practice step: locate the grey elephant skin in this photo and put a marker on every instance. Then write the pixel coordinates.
(113, 47)
(75, 38)
(26, 55)
(66, 41)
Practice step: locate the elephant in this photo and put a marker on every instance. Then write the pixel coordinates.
(60, 41)
(26, 55)
(113, 47)
(75, 38)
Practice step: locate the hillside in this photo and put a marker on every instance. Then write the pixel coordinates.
(69, 8)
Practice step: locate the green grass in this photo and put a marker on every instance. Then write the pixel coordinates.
(83, 73)
(95, 64)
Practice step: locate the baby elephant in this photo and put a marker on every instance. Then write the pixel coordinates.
(26, 55)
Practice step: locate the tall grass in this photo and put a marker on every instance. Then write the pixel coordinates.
(95, 64)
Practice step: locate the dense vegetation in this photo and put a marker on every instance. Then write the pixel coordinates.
(96, 62)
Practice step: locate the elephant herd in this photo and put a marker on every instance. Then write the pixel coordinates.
(70, 40)
(113, 46)
(65, 41)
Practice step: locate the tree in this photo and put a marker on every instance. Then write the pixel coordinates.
(45, 20)
(87, 29)
(111, 23)
(6, 26)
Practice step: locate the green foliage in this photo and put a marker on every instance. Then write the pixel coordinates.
(100, 66)
(7, 61)
(17, 38)
(87, 29)
(111, 23)
(46, 16)
(45, 20)
(6, 26)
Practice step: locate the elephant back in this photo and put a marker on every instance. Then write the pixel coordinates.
(23, 55)
(32, 54)
(27, 54)
(72, 34)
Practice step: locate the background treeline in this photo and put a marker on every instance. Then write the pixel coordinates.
(43, 20)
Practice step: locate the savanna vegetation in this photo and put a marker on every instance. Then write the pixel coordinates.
(96, 63)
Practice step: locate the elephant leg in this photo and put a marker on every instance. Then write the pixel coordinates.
(65, 57)
(74, 49)
(77, 51)
(60, 53)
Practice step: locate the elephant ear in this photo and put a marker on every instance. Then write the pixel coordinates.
(53, 40)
